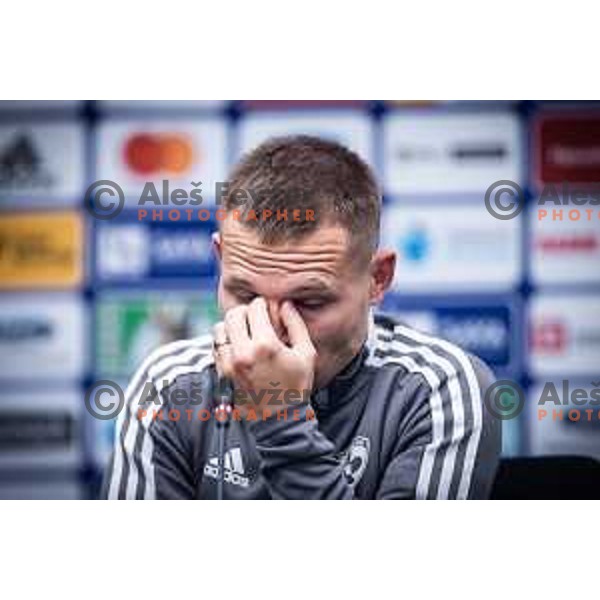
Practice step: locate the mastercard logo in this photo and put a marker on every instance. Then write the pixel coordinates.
(153, 153)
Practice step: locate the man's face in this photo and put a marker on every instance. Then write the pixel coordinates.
(316, 273)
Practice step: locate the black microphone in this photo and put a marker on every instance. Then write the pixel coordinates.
(224, 408)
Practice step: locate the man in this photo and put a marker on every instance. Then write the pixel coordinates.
(330, 400)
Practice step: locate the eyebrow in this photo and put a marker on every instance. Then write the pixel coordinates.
(237, 282)
(317, 287)
(313, 285)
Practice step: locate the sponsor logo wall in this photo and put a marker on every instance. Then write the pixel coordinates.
(41, 250)
(132, 324)
(134, 151)
(41, 429)
(351, 128)
(84, 299)
(564, 251)
(154, 250)
(431, 153)
(43, 336)
(39, 161)
(452, 247)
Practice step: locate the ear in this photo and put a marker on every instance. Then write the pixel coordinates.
(216, 246)
(383, 267)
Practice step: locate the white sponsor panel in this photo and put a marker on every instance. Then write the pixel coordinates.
(162, 105)
(42, 336)
(564, 335)
(457, 248)
(564, 250)
(41, 428)
(41, 162)
(123, 250)
(352, 129)
(565, 423)
(182, 152)
(450, 153)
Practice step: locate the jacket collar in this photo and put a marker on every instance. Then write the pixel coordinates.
(339, 389)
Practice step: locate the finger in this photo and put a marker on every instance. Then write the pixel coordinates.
(236, 326)
(225, 368)
(259, 322)
(223, 364)
(296, 327)
(220, 334)
(222, 351)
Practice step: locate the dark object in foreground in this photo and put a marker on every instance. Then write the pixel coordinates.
(547, 478)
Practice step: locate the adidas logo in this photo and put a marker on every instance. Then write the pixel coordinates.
(234, 468)
(21, 165)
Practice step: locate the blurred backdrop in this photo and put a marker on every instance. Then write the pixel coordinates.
(85, 299)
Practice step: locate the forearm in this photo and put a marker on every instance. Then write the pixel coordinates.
(298, 461)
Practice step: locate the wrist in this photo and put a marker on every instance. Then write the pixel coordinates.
(269, 421)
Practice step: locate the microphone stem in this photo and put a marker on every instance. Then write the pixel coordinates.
(221, 458)
(223, 414)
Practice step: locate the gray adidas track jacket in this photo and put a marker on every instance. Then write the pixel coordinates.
(405, 419)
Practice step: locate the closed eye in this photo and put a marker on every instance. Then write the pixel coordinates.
(242, 294)
(311, 304)
(245, 297)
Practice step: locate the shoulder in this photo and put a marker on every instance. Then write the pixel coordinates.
(170, 361)
(432, 362)
(445, 390)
